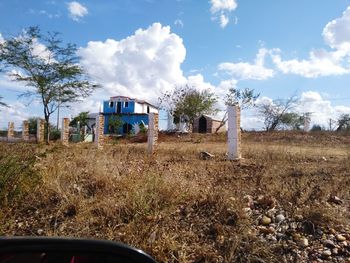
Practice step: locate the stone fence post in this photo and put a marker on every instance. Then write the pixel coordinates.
(65, 131)
(10, 130)
(99, 140)
(25, 131)
(40, 128)
(234, 132)
(152, 134)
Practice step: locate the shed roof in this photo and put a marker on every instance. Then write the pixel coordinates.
(214, 118)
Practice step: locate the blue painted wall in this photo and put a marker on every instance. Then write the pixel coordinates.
(129, 109)
(131, 119)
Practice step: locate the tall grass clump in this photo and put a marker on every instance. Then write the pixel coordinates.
(17, 173)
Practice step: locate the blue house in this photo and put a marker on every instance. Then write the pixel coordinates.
(130, 111)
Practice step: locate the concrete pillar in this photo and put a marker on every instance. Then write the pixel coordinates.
(40, 128)
(11, 130)
(25, 131)
(65, 131)
(170, 122)
(99, 137)
(152, 134)
(307, 121)
(234, 132)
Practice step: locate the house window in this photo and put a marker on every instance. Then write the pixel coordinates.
(147, 109)
(111, 104)
(126, 104)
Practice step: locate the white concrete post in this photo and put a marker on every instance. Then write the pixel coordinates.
(170, 122)
(306, 123)
(152, 133)
(234, 132)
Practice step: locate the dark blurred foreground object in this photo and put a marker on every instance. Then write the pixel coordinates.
(65, 250)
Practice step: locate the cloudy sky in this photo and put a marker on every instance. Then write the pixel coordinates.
(139, 48)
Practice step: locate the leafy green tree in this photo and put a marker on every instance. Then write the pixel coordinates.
(49, 68)
(82, 118)
(292, 120)
(114, 124)
(188, 101)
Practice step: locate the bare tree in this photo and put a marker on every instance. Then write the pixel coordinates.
(278, 112)
(244, 98)
(343, 122)
(2, 104)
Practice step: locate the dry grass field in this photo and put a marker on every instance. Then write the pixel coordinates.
(286, 201)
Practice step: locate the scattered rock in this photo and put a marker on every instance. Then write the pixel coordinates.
(206, 155)
(303, 242)
(40, 232)
(335, 200)
(266, 230)
(279, 218)
(329, 243)
(326, 253)
(266, 202)
(265, 220)
(340, 238)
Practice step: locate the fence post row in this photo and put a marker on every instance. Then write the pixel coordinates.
(152, 134)
(234, 132)
(65, 131)
(99, 131)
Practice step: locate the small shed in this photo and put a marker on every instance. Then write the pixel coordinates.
(207, 124)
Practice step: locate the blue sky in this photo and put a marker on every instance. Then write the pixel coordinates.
(279, 48)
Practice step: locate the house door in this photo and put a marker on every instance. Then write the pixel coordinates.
(202, 125)
(127, 127)
(119, 107)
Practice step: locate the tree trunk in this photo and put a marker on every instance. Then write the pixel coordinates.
(223, 122)
(47, 130)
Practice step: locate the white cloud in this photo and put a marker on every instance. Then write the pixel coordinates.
(320, 63)
(224, 20)
(321, 109)
(179, 22)
(337, 32)
(220, 10)
(222, 5)
(77, 10)
(199, 83)
(141, 65)
(16, 112)
(244, 70)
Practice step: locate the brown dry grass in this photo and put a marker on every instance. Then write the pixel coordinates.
(175, 206)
